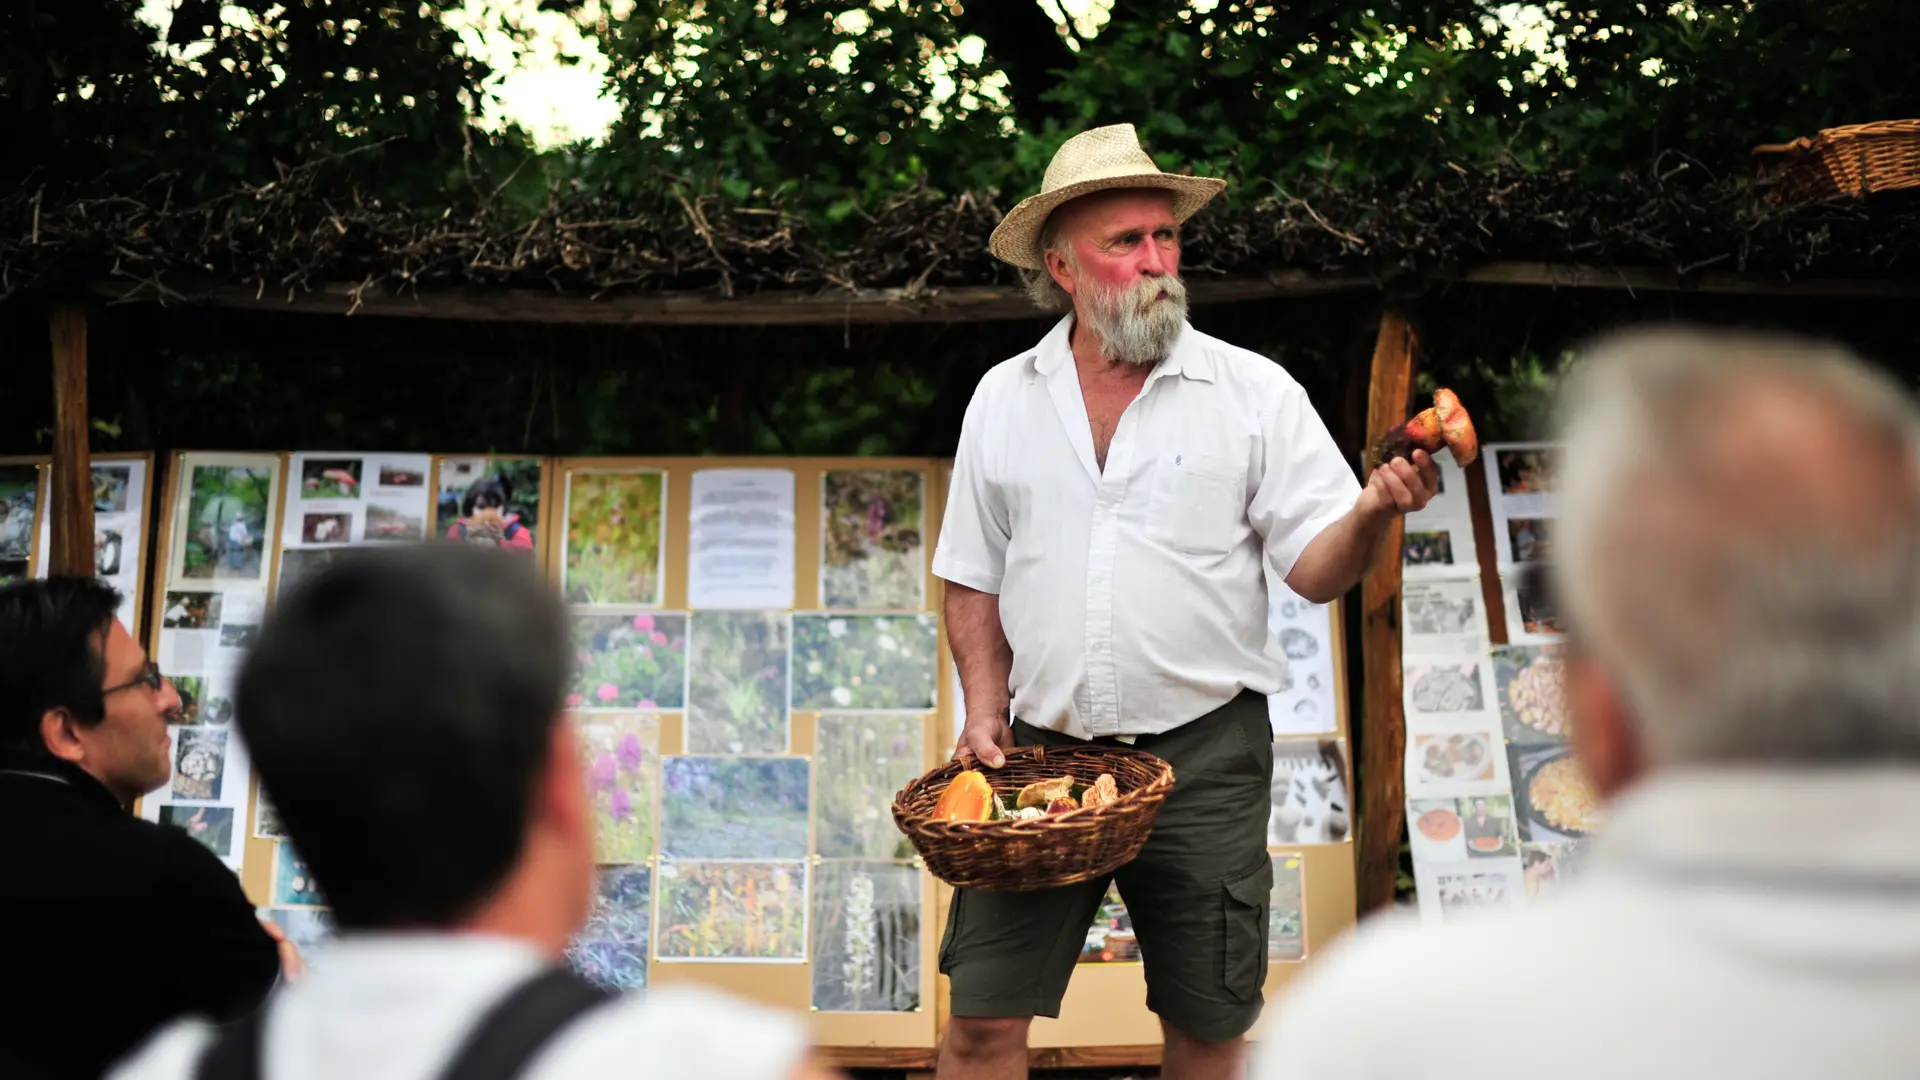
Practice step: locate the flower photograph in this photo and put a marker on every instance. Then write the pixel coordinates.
(611, 949)
(733, 911)
(866, 937)
(735, 808)
(615, 538)
(737, 696)
(872, 548)
(864, 662)
(636, 661)
(859, 762)
(623, 775)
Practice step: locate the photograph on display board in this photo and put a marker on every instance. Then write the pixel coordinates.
(1464, 891)
(1309, 793)
(298, 564)
(1439, 761)
(636, 661)
(1552, 797)
(1527, 470)
(1286, 911)
(308, 928)
(1443, 617)
(491, 502)
(1529, 539)
(623, 776)
(212, 826)
(293, 883)
(718, 911)
(859, 762)
(737, 683)
(394, 475)
(864, 662)
(616, 538)
(19, 497)
(1548, 868)
(107, 552)
(224, 533)
(1428, 547)
(866, 937)
(192, 691)
(1450, 688)
(199, 763)
(326, 528)
(611, 949)
(735, 808)
(266, 818)
(1487, 826)
(1530, 682)
(1434, 830)
(216, 707)
(331, 478)
(1110, 940)
(110, 484)
(873, 535)
(191, 611)
(390, 523)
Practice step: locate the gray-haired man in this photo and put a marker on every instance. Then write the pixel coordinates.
(1740, 562)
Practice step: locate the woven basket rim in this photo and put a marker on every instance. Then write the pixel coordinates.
(1162, 781)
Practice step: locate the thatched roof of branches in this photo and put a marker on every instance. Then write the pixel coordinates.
(308, 230)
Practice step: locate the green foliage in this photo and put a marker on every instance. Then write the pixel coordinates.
(863, 662)
(738, 698)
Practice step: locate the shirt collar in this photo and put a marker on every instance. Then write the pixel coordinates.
(1834, 827)
(1189, 358)
(62, 779)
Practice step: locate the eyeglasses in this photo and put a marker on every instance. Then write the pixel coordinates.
(150, 678)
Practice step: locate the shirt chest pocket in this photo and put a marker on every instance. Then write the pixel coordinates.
(1198, 503)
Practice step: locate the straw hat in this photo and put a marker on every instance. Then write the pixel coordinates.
(1105, 157)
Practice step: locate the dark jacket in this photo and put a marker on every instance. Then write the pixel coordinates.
(110, 927)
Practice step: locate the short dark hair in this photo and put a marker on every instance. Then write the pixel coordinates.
(494, 489)
(52, 642)
(399, 705)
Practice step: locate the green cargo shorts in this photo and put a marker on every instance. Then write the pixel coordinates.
(1198, 893)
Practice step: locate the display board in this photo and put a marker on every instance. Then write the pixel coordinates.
(122, 499)
(1497, 810)
(762, 665)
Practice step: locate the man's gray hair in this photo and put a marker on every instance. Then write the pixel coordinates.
(1046, 293)
(1739, 545)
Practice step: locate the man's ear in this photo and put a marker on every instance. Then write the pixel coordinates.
(61, 735)
(1061, 271)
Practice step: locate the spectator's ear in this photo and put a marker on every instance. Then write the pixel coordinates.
(1604, 736)
(61, 734)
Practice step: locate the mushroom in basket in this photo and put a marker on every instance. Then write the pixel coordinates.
(968, 798)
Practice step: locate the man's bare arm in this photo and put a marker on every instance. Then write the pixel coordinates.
(985, 660)
(1341, 555)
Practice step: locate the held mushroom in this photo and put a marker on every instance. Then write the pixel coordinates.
(1446, 424)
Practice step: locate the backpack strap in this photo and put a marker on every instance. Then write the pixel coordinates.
(234, 1051)
(508, 1036)
(500, 1045)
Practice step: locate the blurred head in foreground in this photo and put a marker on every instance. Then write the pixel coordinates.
(1738, 556)
(404, 710)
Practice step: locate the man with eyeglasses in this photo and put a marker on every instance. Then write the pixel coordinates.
(110, 926)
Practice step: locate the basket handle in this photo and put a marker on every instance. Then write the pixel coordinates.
(1798, 146)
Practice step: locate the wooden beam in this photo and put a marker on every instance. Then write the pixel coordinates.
(968, 304)
(1383, 733)
(1649, 279)
(72, 501)
(1057, 1057)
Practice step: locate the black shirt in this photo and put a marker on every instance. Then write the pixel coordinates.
(110, 927)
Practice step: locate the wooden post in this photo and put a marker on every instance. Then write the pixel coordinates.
(72, 502)
(1383, 734)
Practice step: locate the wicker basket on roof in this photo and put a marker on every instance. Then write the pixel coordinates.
(1857, 160)
(1046, 852)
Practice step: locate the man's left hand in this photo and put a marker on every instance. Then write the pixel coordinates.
(291, 966)
(1402, 486)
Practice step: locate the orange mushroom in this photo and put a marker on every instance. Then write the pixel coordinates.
(968, 798)
(1446, 425)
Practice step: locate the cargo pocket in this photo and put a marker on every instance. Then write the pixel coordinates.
(1244, 902)
(952, 932)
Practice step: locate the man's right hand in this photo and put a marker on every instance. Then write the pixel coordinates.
(984, 738)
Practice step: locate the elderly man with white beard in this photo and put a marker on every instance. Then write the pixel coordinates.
(1120, 493)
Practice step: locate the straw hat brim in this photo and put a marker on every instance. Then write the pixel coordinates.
(1016, 239)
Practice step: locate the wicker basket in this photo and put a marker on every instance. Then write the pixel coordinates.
(1043, 853)
(1856, 160)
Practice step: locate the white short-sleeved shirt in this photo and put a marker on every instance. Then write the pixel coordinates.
(397, 1007)
(1135, 599)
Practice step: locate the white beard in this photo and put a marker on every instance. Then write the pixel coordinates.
(1137, 325)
